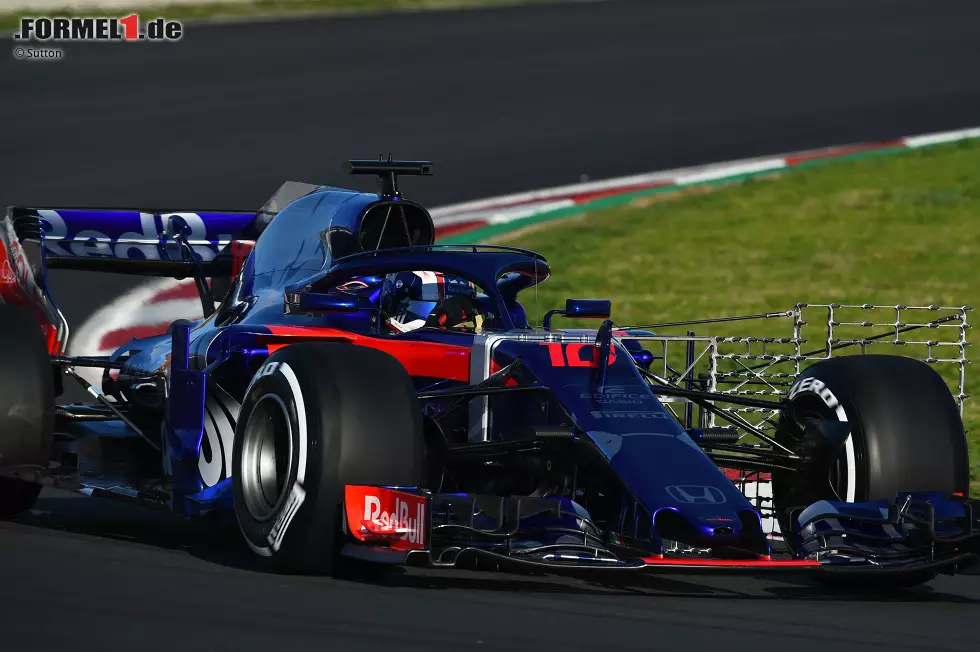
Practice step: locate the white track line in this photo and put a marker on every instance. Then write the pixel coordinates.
(469, 210)
(941, 137)
(732, 170)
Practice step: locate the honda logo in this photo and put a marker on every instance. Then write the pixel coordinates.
(690, 493)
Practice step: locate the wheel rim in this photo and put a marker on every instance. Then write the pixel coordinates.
(267, 457)
(841, 478)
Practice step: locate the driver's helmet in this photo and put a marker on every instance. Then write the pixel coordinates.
(411, 300)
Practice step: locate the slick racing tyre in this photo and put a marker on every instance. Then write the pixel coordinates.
(26, 406)
(317, 417)
(905, 433)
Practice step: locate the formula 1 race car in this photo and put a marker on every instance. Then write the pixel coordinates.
(361, 392)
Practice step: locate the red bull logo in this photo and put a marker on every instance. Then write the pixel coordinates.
(376, 514)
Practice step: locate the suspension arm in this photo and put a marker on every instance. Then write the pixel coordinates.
(727, 416)
(477, 391)
(747, 401)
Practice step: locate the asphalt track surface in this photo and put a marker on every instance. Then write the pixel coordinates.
(503, 101)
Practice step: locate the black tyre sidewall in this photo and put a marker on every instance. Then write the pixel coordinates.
(362, 425)
(17, 496)
(906, 431)
(26, 404)
(318, 402)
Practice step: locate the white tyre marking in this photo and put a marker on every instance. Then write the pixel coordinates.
(813, 385)
(295, 501)
(267, 369)
(262, 551)
(297, 495)
(851, 461)
(286, 371)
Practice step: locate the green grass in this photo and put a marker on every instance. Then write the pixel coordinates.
(10, 21)
(899, 229)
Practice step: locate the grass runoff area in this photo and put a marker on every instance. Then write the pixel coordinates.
(902, 228)
(10, 21)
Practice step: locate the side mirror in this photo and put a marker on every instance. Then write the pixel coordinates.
(581, 309)
(323, 302)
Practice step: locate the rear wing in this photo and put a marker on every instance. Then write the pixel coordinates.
(132, 241)
(175, 243)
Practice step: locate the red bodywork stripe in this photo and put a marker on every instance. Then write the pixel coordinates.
(735, 475)
(240, 249)
(14, 280)
(311, 332)
(733, 563)
(429, 359)
(494, 368)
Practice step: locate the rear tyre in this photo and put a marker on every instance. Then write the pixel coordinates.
(905, 434)
(316, 417)
(26, 407)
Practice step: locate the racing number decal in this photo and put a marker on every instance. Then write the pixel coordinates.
(570, 355)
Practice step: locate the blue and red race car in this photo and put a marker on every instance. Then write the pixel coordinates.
(361, 392)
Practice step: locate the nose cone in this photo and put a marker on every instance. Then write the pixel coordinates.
(743, 531)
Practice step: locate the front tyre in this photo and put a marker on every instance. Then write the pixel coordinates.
(905, 435)
(317, 417)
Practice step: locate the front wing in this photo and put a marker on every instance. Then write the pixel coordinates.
(406, 526)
